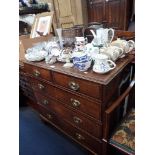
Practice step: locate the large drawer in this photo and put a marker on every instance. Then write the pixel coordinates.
(70, 116)
(80, 103)
(92, 144)
(79, 85)
(38, 72)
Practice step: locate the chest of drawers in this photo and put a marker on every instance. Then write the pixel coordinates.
(74, 101)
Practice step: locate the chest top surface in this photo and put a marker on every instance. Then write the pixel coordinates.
(88, 75)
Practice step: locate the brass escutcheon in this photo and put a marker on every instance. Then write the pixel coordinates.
(73, 85)
(75, 103)
(36, 73)
(79, 136)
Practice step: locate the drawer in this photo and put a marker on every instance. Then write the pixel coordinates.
(85, 105)
(38, 72)
(42, 87)
(92, 144)
(70, 116)
(82, 86)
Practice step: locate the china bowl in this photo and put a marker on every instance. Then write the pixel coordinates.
(36, 55)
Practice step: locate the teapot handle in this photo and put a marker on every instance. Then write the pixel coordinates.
(111, 62)
(131, 45)
(113, 33)
(121, 52)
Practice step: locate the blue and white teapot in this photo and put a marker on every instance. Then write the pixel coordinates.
(81, 60)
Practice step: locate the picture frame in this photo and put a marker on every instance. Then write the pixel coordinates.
(42, 24)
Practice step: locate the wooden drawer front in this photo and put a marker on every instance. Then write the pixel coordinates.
(42, 87)
(70, 116)
(84, 105)
(89, 88)
(83, 138)
(79, 136)
(38, 72)
(25, 86)
(46, 113)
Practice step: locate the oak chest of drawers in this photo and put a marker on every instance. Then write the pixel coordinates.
(73, 101)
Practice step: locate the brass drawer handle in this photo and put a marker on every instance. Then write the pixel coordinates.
(73, 85)
(77, 120)
(41, 87)
(45, 102)
(49, 116)
(75, 103)
(36, 73)
(79, 136)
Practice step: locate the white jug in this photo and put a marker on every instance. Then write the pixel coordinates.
(102, 36)
(103, 64)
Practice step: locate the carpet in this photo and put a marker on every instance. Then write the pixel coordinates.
(37, 138)
(124, 136)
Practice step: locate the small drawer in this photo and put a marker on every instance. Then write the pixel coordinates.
(38, 72)
(85, 105)
(71, 116)
(90, 143)
(42, 87)
(82, 86)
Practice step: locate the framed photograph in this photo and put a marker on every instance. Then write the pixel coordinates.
(42, 24)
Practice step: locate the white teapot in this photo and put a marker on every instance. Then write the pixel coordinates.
(113, 52)
(127, 46)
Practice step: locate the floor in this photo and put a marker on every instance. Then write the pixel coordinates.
(37, 138)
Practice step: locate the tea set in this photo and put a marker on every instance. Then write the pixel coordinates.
(102, 52)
